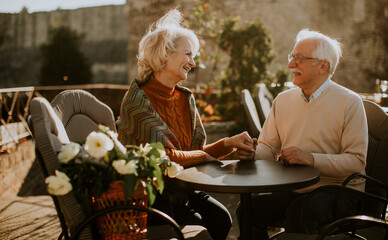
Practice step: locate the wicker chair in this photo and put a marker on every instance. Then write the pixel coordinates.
(81, 113)
(49, 135)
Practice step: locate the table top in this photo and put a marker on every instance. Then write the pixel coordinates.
(235, 176)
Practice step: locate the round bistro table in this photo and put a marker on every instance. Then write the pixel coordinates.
(244, 178)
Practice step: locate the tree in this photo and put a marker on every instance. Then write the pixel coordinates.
(249, 52)
(62, 61)
(249, 48)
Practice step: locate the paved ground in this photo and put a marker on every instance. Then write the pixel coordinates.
(28, 218)
(34, 217)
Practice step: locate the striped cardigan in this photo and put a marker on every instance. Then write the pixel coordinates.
(140, 123)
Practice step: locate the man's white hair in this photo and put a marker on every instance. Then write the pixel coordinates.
(327, 48)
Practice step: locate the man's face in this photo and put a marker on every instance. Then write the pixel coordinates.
(306, 72)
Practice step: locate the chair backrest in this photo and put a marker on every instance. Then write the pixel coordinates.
(251, 113)
(377, 156)
(49, 135)
(81, 112)
(263, 100)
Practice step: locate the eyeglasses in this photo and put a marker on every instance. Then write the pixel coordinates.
(298, 59)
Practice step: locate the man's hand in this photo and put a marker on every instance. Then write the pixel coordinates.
(247, 155)
(293, 155)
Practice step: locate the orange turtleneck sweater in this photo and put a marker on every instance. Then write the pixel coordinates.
(173, 107)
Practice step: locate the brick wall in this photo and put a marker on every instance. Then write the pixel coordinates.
(14, 169)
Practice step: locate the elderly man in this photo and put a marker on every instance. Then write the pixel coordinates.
(321, 124)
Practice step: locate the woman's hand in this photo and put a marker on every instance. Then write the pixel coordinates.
(241, 141)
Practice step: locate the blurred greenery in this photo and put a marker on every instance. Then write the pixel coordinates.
(248, 46)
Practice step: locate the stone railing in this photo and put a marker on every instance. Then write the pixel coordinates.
(14, 107)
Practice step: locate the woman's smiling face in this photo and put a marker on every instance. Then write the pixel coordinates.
(180, 62)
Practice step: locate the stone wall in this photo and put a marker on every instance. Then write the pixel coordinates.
(14, 168)
(112, 34)
(104, 44)
(350, 21)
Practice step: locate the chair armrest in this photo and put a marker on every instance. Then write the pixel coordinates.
(149, 210)
(354, 220)
(360, 175)
(336, 189)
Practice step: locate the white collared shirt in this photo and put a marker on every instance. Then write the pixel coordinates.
(317, 92)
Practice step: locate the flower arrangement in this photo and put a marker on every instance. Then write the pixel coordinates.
(102, 159)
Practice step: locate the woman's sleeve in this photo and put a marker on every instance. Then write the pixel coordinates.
(193, 157)
(218, 149)
(186, 158)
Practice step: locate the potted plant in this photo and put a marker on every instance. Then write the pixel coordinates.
(109, 174)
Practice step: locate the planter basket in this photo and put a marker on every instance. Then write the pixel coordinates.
(123, 224)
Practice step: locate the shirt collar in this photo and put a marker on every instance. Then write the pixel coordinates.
(317, 92)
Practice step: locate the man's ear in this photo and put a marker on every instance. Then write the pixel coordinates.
(325, 66)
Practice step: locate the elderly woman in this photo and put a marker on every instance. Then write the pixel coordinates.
(157, 109)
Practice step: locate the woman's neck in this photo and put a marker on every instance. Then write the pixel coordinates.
(165, 79)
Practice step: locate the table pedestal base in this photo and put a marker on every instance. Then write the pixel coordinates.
(246, 216)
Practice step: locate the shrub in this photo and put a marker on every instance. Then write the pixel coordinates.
(62, 61)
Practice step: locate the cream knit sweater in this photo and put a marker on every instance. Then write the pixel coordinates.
(333, 128)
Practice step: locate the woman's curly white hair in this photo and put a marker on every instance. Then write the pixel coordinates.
(162, 37)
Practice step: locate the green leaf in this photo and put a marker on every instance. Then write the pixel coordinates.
(151, 193)
(153, 153)
(157, 172)
(130, 184)
(157, 145)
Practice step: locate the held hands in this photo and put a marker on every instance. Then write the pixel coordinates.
(245, 145)
(247, 155)
(294, 155)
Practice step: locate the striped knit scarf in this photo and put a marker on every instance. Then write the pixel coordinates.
(140, 123)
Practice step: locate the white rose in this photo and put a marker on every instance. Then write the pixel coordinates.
(68, 152)
(124, 168)
(98, 144)
(145, 150)
(59, 184)
(174, 169)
